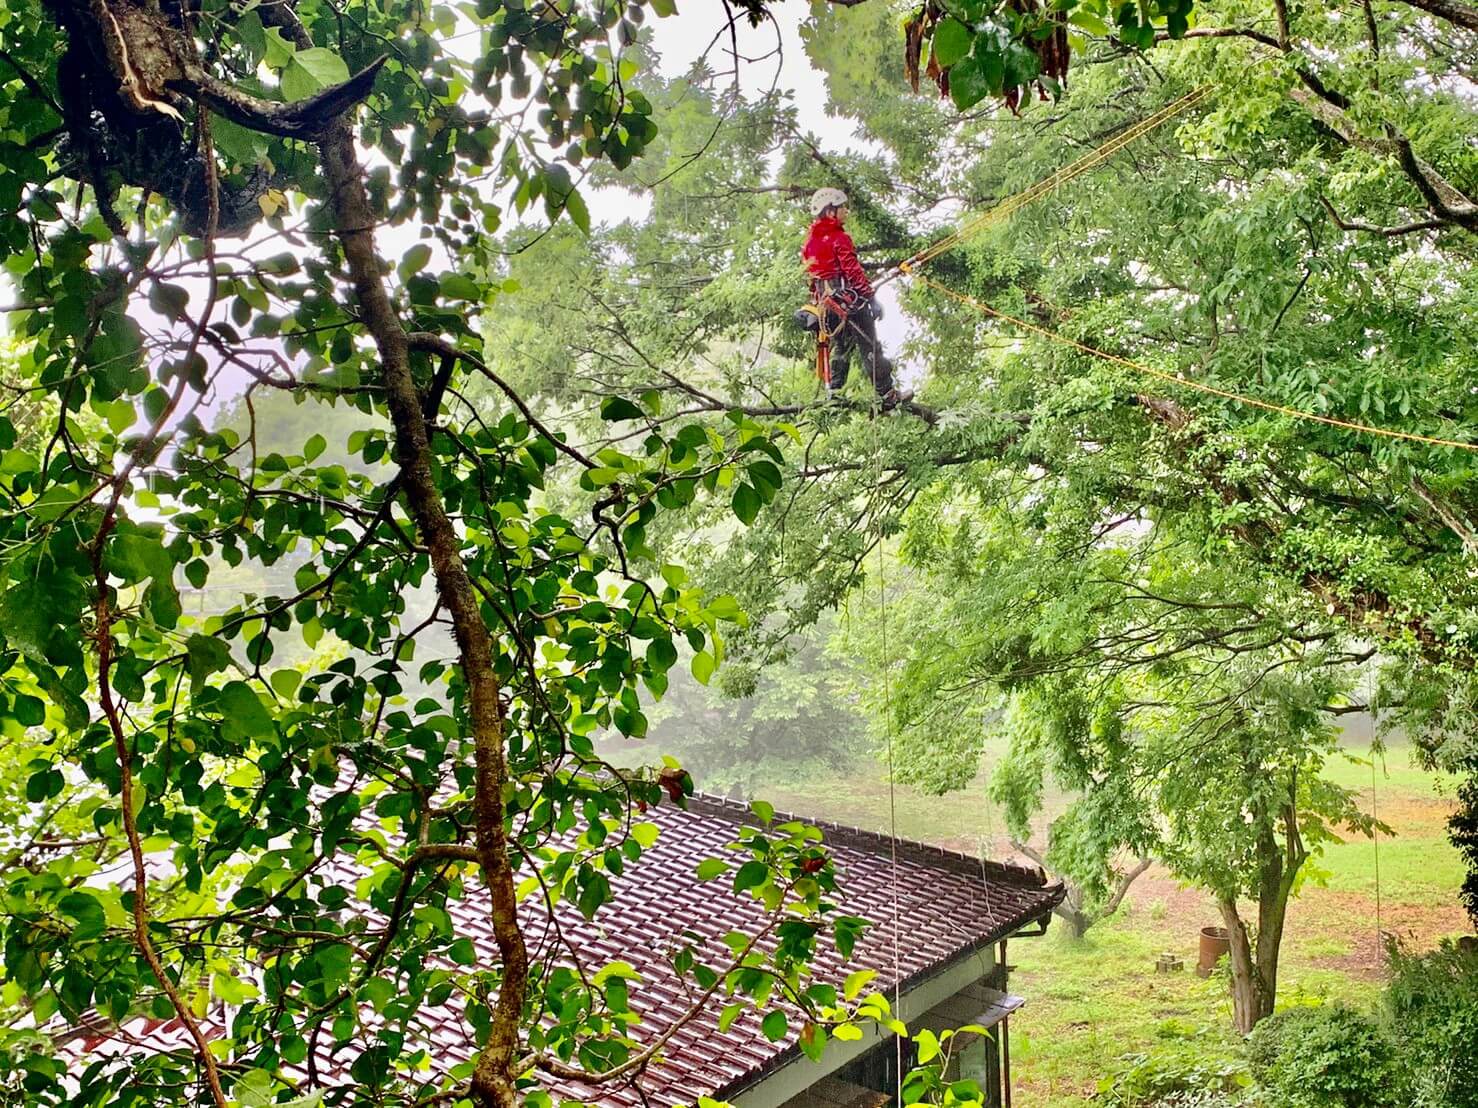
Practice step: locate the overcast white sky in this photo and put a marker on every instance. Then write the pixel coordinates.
(679, 41)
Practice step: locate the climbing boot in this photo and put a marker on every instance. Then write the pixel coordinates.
(894, 399)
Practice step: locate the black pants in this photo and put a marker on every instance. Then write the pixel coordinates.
(859, 332)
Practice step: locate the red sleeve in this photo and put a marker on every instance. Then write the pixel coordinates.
(851, 268)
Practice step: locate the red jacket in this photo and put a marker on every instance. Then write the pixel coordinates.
(829, 255)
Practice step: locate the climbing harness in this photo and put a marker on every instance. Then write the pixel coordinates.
(828, 301)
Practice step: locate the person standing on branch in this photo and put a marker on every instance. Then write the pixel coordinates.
(848, 309)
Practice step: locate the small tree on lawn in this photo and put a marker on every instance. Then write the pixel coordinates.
(1234, 803)
(1182, 704)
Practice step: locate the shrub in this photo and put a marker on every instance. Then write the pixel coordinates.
(1185, 1074)
(1433, 1002)
(1325, 1056)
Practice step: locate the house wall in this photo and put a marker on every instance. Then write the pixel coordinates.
(793, 1080)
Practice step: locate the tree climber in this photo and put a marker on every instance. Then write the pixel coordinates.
(843, 299)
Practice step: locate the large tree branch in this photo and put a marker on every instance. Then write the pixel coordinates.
(1330, 108)
(1387, 232)
(492, 1080)
(1366, 611)
(1444, 198)
(1447, 514)
(1127, 878)
(1464, 15)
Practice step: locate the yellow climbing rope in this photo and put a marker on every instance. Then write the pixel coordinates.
(1054, 181)
(1187, 382)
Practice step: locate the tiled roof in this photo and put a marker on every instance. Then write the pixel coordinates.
(950, 905)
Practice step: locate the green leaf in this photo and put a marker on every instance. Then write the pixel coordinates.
(928, 1044)
(258, 1089)
(710, 868)
(727, 1017)
(968, 82)
(170, 301)
(458, 286)
(856, 982)
(645, 834)
(285, 682)
(595, 893)
(726, 607)
(29, 711)
(462, 952)
(242, 710)
(623, 971)
(315, 446)
(615, 408)
(751, 875)
(1089, 22)
(664, 8)
(205, 655)
(414, 261)
(952, 41)
(27, 616)
(85, 908)
(577, 211)
(703, 666)
(278, 50)
(662, 654)
(746, 503)
(240, 144)
(774, 1025)
(311, 71)
(813, 1041)
(74, 708)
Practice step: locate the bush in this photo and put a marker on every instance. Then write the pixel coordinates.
(1190, 1074)
(1433, 1002)
(1325, 1056)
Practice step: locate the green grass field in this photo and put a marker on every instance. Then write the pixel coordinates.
(1096, 1002)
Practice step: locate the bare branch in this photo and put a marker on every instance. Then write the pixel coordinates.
(1388, 232)
(1464, 15)
(1448, 515)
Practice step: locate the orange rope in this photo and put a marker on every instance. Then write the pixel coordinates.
(1198, 386)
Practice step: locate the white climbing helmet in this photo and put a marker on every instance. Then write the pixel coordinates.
(825, 198)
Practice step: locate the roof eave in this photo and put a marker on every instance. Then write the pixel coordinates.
(1056, 891)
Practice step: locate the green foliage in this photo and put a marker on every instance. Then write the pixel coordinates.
(979, 48)
(1433, 1012)
(754, 727)
(1179, 1076)
(320, 720)
(1133, 588)
(1463, 829)
(1326, 1056)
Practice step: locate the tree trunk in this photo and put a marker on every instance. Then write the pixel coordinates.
(1076, 920)
(1072, 911)
(1251, 999)
(493, 1079)
(1254, 958)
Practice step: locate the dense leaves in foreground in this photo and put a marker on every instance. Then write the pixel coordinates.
(251, 816)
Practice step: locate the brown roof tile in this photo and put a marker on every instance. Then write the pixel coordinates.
(949, 905)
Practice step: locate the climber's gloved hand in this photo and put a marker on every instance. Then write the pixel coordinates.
(877, 308)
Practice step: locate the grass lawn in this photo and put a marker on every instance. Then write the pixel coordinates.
(1094, 1003)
